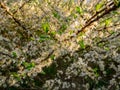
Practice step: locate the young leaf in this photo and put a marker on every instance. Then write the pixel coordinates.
(44, 37)
(28, 65)
(42, 72)
(96, 71)
(82, 45)
(32, 39)
(52, 57)
(46, 27)
(99, 6)
(16, 75)
(14, 54)
(79, 10)
(106, 48)
(56, 15)
(81, 34)
(108, 21)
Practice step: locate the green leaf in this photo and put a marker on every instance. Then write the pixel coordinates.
(14, 54)
(75, 16)
(111, 32)
(96, 71)
(32, 64)
(53, 33)
(82, 45)
(79, 10)
(32, 39)
(97, 74)
(28, 65)
(108, 21)
(44, 37)
(46, 27)
(101, 44)
(56, 15)
(42, 72)
(106, 48)
(99, 6)
(16, 75)
(81, 33)
(52, 57)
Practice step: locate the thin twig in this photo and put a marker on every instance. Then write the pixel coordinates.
(97, 17)
(105, 40)
(98, 12)
(14, 18)
(21, 6)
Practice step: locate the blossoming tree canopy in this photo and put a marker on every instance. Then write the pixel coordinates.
(60, 44)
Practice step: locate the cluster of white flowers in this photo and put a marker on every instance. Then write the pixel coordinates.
(79, 65)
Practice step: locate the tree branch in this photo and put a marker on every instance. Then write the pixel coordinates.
(14, 18)
(21, 6)
(96, 17)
